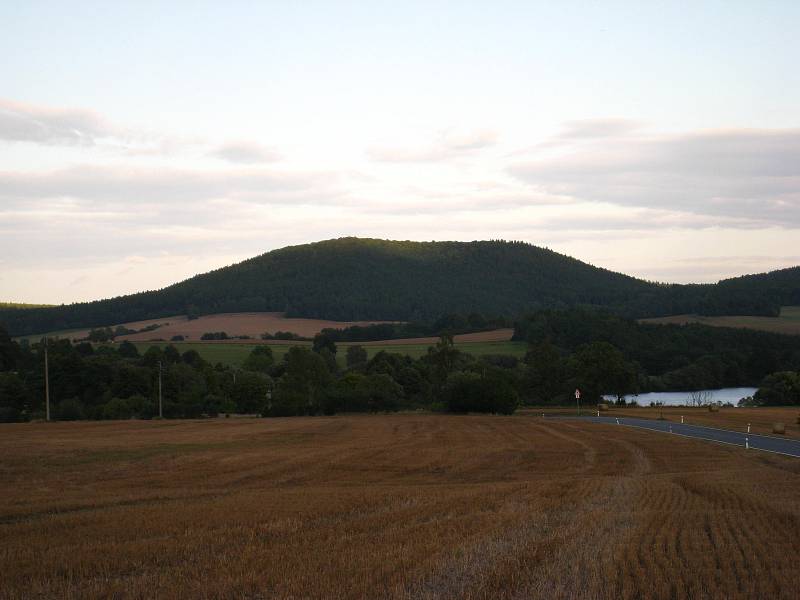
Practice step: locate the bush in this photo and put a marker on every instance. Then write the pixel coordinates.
(70, 409)
(778, 389)
(490, 393)
(356, 355)
(259, 360)
(214, 335)
(136, 406)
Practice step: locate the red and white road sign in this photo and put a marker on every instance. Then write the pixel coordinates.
(577, 394)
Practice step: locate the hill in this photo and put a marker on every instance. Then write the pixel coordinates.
(351, 279)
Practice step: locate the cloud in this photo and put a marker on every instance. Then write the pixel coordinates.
(598, 128)
(447, 145)
(747, 174)
(244, 152)
(47, 125)
(124, 185)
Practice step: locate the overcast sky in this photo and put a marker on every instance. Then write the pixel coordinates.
(140, 145)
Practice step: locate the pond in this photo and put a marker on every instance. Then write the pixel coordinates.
(732, 395)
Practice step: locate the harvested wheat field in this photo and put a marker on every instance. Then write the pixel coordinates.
(400, 506)
(760, 418)
(252, 324)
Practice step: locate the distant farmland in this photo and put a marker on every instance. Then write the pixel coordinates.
(235, 354)
(400, 506)
(787, 322)
(252, 324)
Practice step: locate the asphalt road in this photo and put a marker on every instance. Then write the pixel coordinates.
(767, 443)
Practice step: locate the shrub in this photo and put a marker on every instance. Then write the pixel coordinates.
(70, 409)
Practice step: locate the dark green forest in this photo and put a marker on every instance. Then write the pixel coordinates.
(663, 357)
(369, 279)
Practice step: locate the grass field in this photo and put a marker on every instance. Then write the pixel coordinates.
(235, 354)
(787, 322)
(400, 506)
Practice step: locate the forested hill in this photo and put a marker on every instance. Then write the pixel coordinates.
(359, 279)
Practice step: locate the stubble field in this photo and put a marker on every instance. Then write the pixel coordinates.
(400, 506)
(760, 419)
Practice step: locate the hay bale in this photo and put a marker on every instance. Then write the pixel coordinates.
(602, 407)
(778, 428)
(713, 408)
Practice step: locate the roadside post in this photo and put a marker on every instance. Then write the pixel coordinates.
(681, 419)
(748, 428)
(747, 443)
(578, 400)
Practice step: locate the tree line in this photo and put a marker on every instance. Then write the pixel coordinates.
(596, 352)
(664, 357)
(116, 381)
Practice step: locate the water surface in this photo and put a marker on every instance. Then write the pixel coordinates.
(732, 395)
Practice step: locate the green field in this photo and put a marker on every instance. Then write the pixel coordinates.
(788, 322)
(235, 354)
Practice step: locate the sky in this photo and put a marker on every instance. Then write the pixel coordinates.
(142, 143)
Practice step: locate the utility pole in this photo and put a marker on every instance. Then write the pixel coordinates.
(46, 383)
(160, 408)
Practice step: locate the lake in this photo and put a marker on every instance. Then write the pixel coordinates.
(732, 395)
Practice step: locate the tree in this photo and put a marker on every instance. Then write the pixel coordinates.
(324, 341)
(193, 359)
(249, 393)
(171, 355)
(779, 389)
(443, 357)
(700, 398)
(127, 350)
(259, 360)
(356, 355)
(546, 376)
(152, 356)
(301, 389)
(599, 368)
(184, 389)
(70, 409)
(13, 398)
(9, 351)
(381, 392)
(490, 392)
